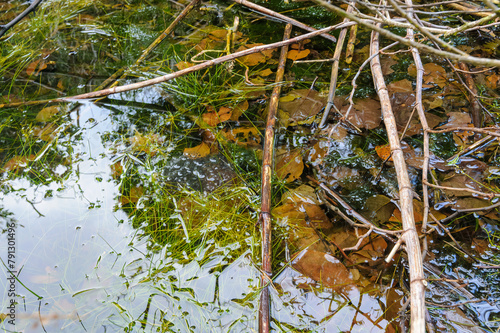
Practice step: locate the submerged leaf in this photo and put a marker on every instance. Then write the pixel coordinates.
(46, 113)
(289, 165)
(199, 151)
(325, 269)
(296, 54)
(302, 104)
(365, 113)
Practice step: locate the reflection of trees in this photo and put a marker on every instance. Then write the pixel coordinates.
(36, 151)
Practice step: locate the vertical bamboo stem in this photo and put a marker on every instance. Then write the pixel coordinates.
(410, 236)
(267, 169)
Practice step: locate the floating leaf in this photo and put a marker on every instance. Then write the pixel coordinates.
(296, 54)
(318, 152)
(289, 166)
(201, 150)
(435, 74)
(384, 152)
(418, 210)
(325, 269)
(403, 86)
(46, 113)
(303, 193)
(457, 119)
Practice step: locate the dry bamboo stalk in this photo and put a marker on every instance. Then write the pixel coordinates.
(171, 76)
(410, 236)
(422, 47)
(335, 70)
(423, 119)
(268, 12)
(124, 71)
(267, 171)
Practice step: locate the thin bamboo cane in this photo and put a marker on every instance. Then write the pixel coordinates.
(410, 236)
(267, 170)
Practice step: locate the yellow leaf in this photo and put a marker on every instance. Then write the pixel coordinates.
(266, 72)
(183, 65)
(199, 151)
(296, 54)
(46, 113)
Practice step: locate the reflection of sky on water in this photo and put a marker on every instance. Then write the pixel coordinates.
(89, 264)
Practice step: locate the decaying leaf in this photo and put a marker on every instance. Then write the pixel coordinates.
(365, 113)
(46, 113)
(254, 58)
(289, 165)
(17, 163)
(46, 133)
(301, 214)
(325, 269)
(146, 143)
(238, 110)
(371, 253)
(301, 104)
(244, 136)
(214, 118)
(199, 151)
(303, 193)
(378, 209)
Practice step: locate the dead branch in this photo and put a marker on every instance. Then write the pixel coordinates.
(422, 47)
(168, 77)
(281, 17)
(335, 70)
(267, 170)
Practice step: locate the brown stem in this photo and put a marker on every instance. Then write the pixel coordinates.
(267, 169)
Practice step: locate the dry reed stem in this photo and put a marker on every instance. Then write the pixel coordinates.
(267, 172)
(410, 236)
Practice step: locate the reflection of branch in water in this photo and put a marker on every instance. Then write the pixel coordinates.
(36, 210)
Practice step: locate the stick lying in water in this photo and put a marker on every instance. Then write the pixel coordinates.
(168, 77)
